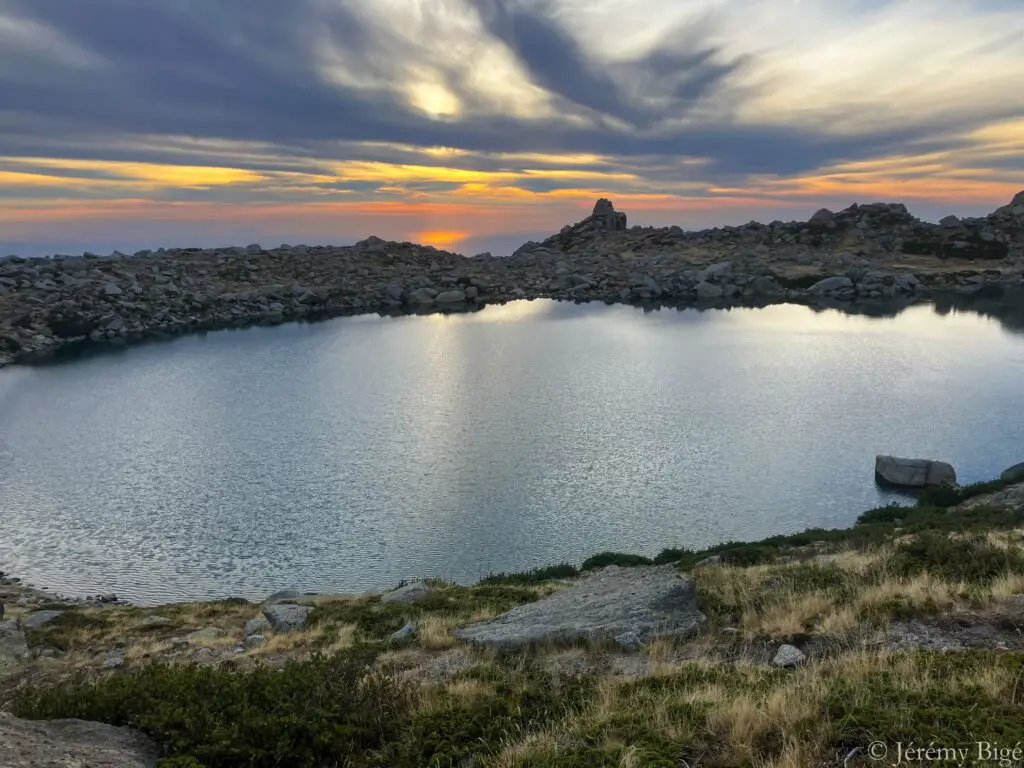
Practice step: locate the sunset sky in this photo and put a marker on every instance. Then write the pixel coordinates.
(478, 124)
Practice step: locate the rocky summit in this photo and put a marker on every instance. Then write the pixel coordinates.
(862, 253)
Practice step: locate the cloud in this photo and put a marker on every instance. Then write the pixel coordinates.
(509, 102)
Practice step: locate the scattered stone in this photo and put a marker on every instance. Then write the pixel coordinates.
(647, 601)
(113, 659)
(913, 473)
(410, 593)
(287, 617)
(628, 641)
(39, 619)
(71, 744)
(256, 626)
(411, 629)
(254, 641)
(788, 656)
(152, 622)
(450, 297)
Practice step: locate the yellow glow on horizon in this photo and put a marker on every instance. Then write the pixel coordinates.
(170, 175)
(444, 239)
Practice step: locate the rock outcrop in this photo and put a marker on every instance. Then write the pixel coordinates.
(863, 253)
(71, 744)
(629, 605)
(913, 473)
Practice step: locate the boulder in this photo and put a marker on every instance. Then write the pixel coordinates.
(708, 290)
(949, 222)
(823, 217)
(647, 601)
(71, 744)
(421, 297)
(1014, 474)
(450, 297)
(913, 473)
(287, 617)
(256, 626)
(410, 593)
(832, 285)
(788, 656)
(605, 217)
(409, 630)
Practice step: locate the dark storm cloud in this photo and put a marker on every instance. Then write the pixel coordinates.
(242, 71)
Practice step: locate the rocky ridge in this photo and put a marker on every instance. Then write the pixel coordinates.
(866, 252)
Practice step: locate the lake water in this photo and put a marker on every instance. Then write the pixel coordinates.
(349, 454)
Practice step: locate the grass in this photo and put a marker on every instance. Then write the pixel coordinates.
(347, 696)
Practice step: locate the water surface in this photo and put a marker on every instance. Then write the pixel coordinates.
(347, 455)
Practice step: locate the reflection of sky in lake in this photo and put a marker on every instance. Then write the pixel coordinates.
(349, 454)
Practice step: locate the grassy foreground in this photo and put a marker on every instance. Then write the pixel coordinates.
(858, 601)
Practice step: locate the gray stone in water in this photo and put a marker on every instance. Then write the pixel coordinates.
(409, 630)
(789, 656)
(256, 626)
(1014, 474)
(36, 620)
(913, 473)
(286, 617)
(648, 602)
(410, 593)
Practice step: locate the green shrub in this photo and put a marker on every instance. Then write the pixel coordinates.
(621, 559)
(972, 559)
(671, 555)
(890, 513)
(458, 729)
(950, 496)
(325, 711)
(545, 573)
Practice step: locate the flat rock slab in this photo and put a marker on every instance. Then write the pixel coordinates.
(71, 744)
(1010, 498)
(648, 602)
(286, 617)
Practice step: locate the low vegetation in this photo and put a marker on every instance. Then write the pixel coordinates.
(340, 693)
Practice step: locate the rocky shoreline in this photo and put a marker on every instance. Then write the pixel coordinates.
(863, 258)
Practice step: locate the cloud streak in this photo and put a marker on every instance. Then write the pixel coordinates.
(507, 102)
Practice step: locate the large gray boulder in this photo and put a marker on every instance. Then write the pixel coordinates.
(1014, 474)
(648, 602)
(605, 217)
(71, 744)
(286, 617)
(913, 473)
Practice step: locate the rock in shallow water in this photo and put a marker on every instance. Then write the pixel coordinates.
(914, 473)
(648, 602)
